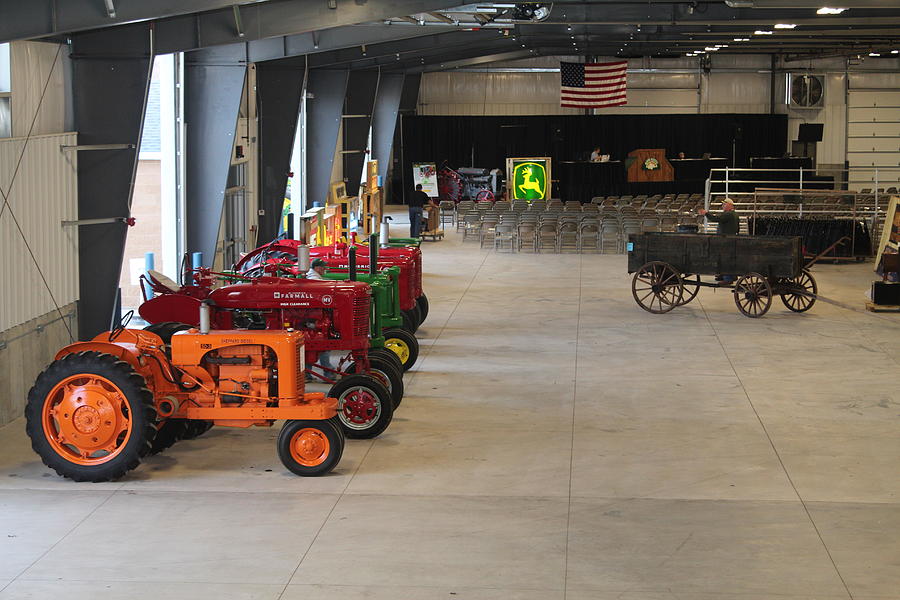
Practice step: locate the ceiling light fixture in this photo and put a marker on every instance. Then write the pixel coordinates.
(742, 39)
(895, 51)
(827, 10)
(874, 54)
(710, 48)
(762, 32)
(785, 25)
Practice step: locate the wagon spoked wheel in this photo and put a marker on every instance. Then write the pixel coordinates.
(803, 299)
(691, 284)
(753, 295)
(657, 287)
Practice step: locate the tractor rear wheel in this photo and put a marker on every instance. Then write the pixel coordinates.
(196, 428)
(403, 344)
(365, 407)
(90, 417)
(310, 448)
(170, 431)
(422, 303)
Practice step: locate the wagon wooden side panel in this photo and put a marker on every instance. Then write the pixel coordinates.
(717, 254)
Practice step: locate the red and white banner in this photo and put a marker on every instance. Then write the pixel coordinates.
(592, 85)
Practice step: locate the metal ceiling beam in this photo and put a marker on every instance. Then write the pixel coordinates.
(194, 30)
(41, 18)
(478, 60)
(364, 57)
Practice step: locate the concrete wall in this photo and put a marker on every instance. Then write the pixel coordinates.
(25, 351)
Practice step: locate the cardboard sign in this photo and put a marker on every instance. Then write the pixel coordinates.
(426, 174)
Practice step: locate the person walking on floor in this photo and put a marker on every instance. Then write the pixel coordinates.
(416, 202)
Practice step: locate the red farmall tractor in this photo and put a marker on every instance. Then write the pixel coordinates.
(413, 302)
(93, 414)
(334, 318)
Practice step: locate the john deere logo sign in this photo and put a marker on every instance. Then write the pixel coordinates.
(529, 181)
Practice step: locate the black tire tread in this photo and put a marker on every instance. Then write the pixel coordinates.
(108, 366)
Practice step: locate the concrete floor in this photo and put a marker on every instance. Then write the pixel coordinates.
(555, 442)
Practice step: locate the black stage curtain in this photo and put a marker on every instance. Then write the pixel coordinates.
(488, 141)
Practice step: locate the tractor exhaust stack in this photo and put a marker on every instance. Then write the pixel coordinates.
(373, 255)
(204, 317)
(385, 232)
(352, 263)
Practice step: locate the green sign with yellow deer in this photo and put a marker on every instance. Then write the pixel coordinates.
(528, 178)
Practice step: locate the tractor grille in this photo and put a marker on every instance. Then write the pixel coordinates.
(418, 272)
(411, 284)
(361, 307)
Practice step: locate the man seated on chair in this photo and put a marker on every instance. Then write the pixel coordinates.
(728, 224)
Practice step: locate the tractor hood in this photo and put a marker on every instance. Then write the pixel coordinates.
(275, 292)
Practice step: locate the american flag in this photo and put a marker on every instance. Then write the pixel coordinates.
(592, 85)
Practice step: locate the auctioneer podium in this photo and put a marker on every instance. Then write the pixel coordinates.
(649, 165)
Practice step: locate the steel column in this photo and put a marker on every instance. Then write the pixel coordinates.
(110, 80)
(384, 122)
(384, 117)
(279, 86)
(409, 102)
(325, 98)
(214, 82)
(358, 104)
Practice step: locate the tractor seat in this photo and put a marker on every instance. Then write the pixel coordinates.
(160, 279)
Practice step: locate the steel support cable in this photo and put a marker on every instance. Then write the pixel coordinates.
(12, 182)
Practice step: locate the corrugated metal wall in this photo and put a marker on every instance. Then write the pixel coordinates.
(873, 130)
(650, 91)
(43, 194)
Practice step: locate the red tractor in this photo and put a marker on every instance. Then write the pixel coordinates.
(95, 412)
(413, 301)
(334, 318)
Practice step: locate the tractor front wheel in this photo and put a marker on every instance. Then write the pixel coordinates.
(403, 344)
(388, 374)
(310, 448)
(385, 354)
(422, 303)
(365, 407)
(415, 318)
(90, 417)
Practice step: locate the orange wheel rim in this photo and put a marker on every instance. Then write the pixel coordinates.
(87, 419)
(310, 447)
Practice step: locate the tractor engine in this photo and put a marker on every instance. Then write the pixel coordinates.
(241, 372)
(236, 368)
(325, 311)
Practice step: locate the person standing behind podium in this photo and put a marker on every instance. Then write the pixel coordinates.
(595, 155)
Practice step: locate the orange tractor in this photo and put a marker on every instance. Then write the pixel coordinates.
(92, 415)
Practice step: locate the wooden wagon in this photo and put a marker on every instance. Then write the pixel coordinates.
(668, 267)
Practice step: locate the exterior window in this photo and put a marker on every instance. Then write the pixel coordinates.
(5, 93)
